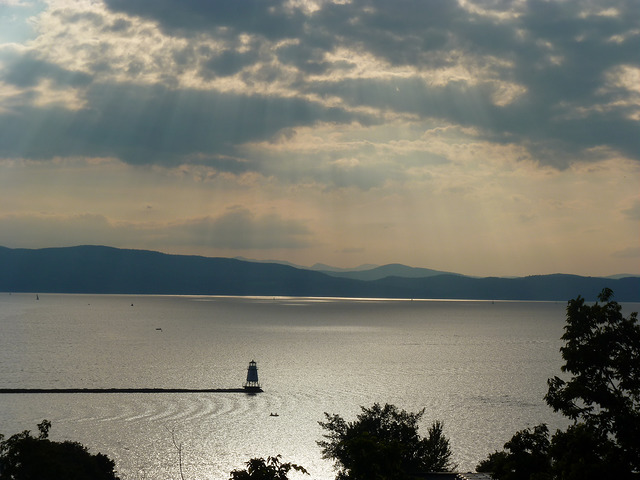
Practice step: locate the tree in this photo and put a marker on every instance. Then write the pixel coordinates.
(525, 456)
(24, 457)
(579, 453)
(383, 443)
(269, 469)
(582, 453)
(602, 353)
(602, 397)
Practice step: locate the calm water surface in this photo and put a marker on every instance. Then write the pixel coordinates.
(480, 367)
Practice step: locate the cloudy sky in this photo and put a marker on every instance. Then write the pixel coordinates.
(486, 137)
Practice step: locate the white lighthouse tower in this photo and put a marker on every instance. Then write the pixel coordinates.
(252, 384)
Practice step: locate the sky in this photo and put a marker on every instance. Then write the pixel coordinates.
(484, 137)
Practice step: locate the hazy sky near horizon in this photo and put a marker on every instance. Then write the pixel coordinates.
(486, 137)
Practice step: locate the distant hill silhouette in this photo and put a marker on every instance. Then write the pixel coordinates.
(97, 269)
(321, 267)
(390, 270)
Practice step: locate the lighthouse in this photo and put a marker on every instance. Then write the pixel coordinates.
(252, 385)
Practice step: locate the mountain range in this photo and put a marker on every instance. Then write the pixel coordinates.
(107, 270)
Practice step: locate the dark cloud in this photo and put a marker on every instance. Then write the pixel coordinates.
(553, 134)
(228, 62)
(457, 102)
(308, 59)
(558, 53)
(27, 71)
(272, 19)
(409, 32)
(155, 124)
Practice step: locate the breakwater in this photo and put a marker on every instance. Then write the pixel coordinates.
(126, 390)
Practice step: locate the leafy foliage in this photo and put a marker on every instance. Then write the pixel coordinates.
(582, 453)
(24, 457)
(602, 397)
(602, 353)
(269, 469)
(383, 443)
(526, 456)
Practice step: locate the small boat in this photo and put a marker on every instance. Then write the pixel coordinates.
(274, 415)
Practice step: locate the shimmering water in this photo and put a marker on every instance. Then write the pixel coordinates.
(480, 367)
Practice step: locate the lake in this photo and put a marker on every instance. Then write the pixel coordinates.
(479, 367)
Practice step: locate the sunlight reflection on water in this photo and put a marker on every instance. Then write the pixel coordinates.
(479, 367)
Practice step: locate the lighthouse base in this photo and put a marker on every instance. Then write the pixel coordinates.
(252, 389)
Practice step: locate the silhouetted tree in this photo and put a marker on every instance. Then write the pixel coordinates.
(602, 397)
(525, 457)
(579, 453)
(383, 443)
(602, 353)
(269, 469)
(583, 453)
(24, 457)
